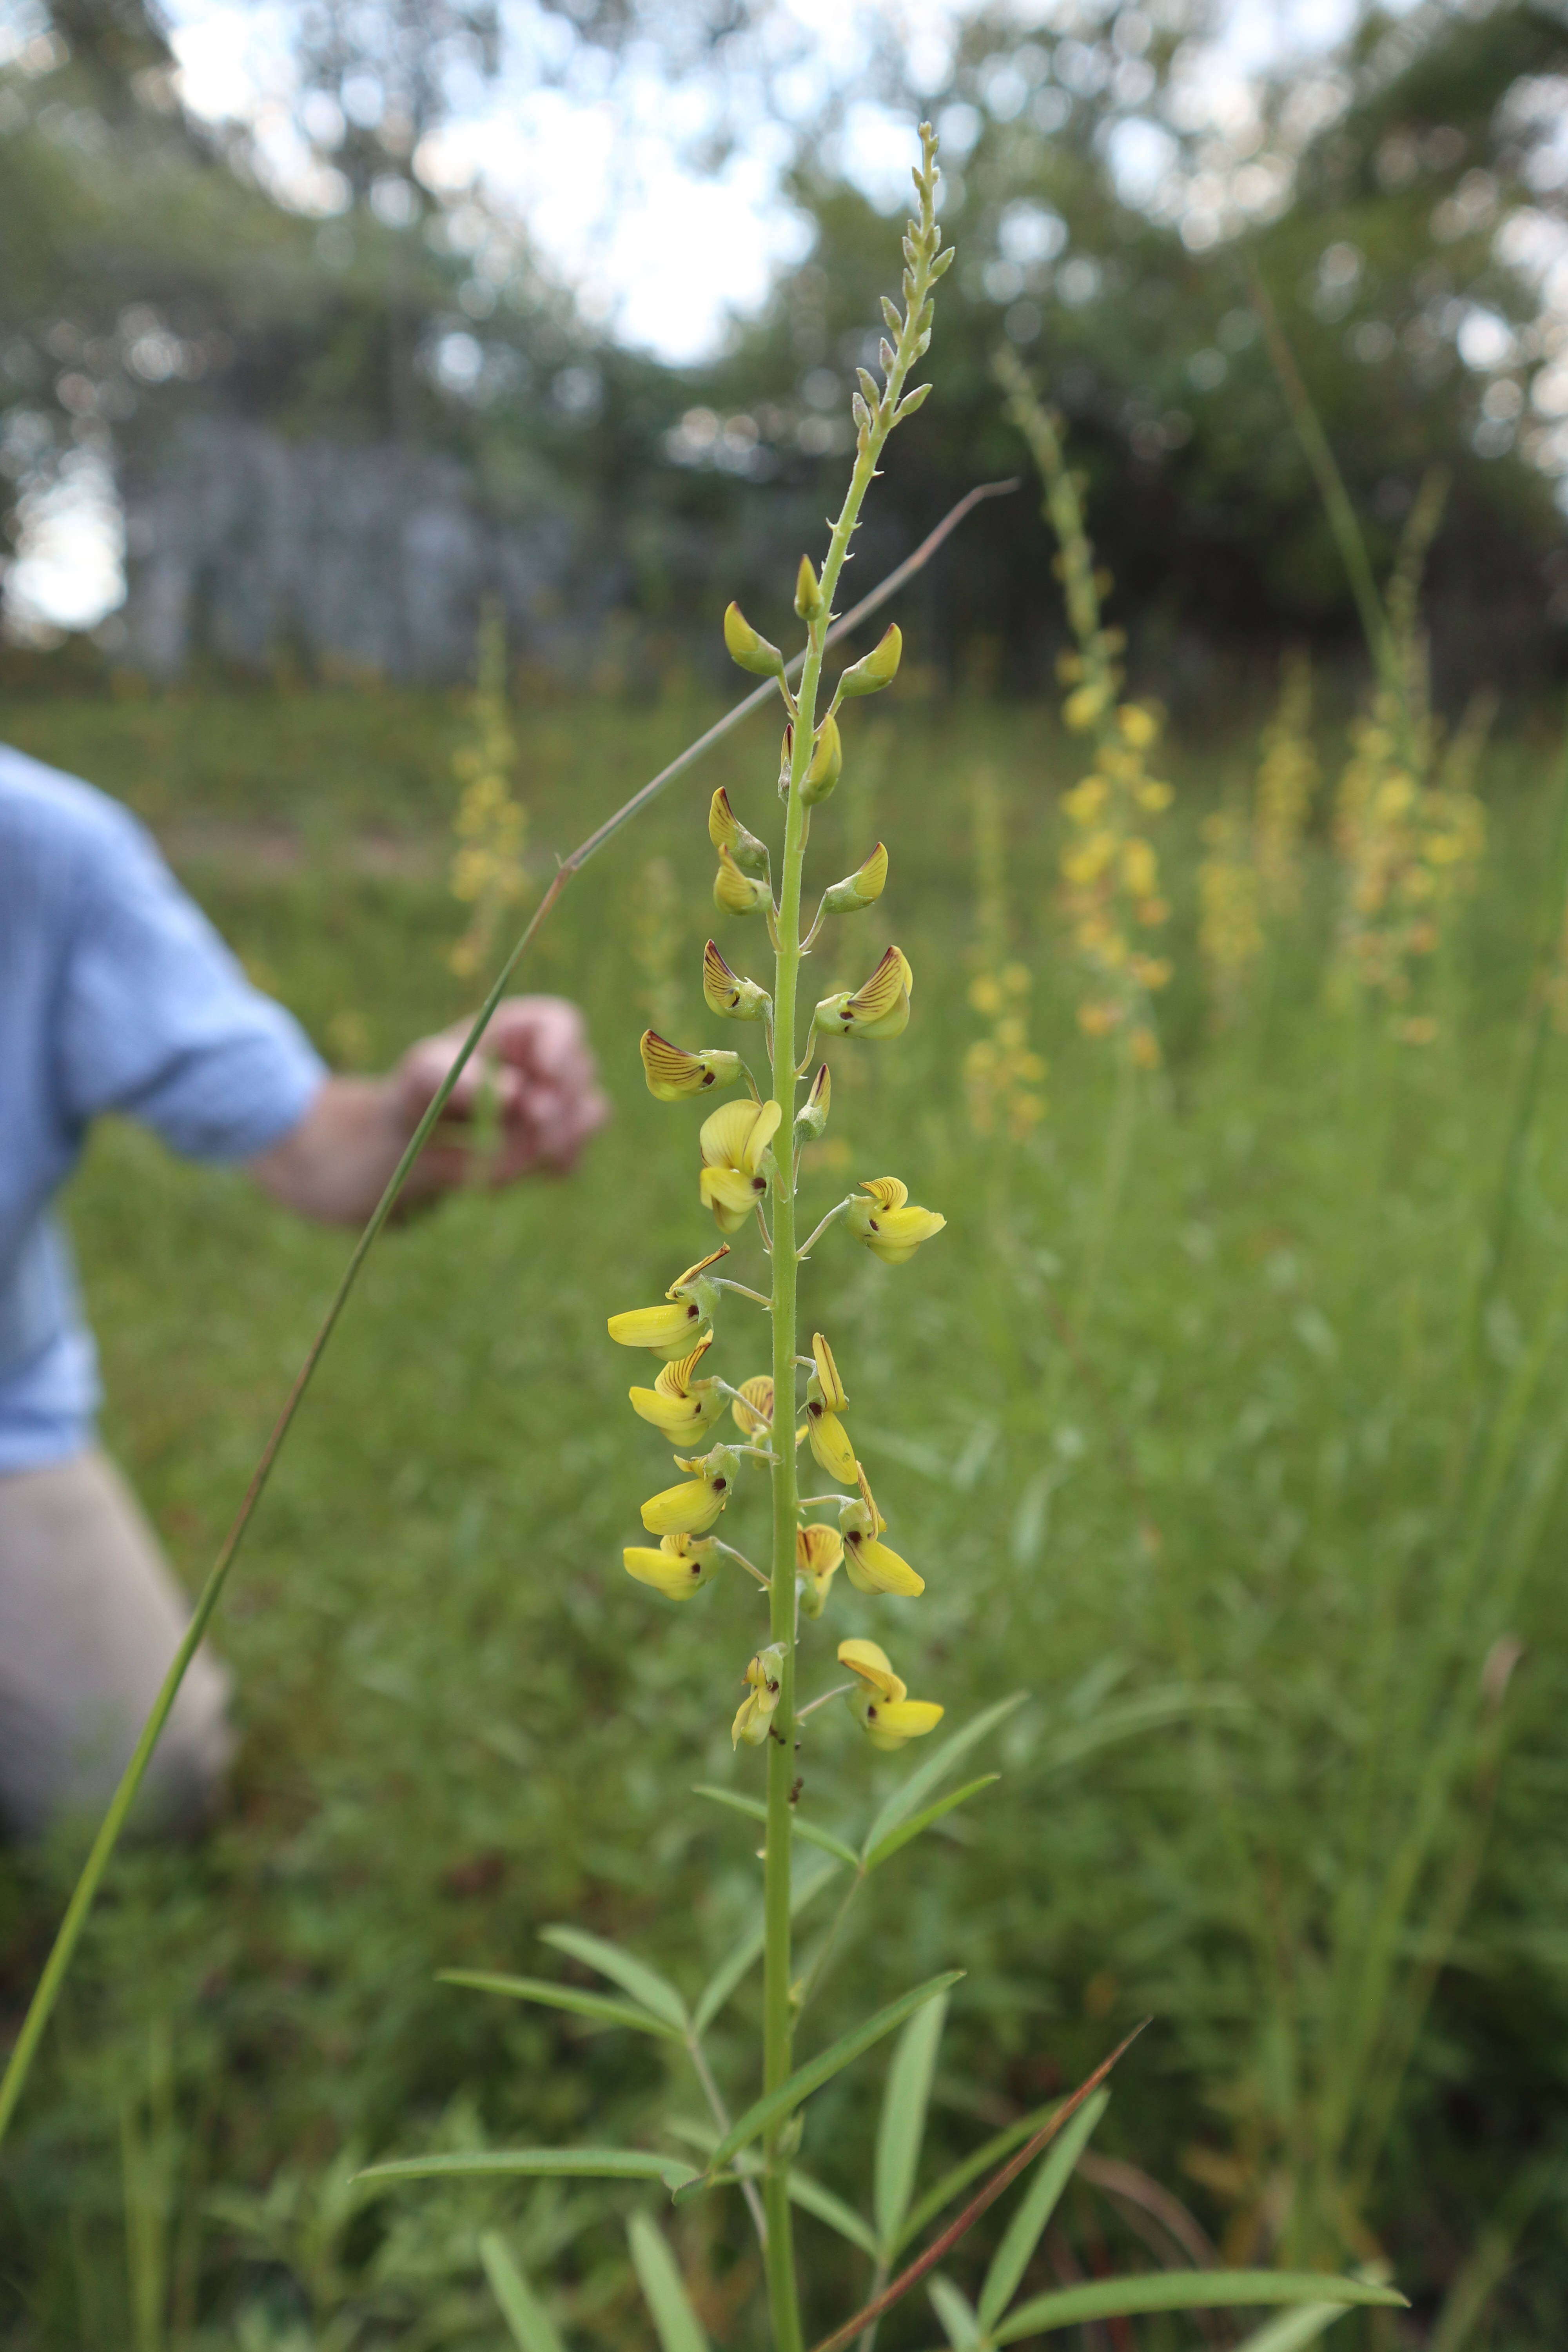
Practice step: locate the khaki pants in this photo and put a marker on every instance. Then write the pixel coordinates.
(90, 1618)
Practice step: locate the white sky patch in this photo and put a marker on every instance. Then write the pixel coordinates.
(69, 567)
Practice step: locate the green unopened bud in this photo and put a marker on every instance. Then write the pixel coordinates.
(812, 1116)
(747, 649)
(787, 758)
(879, 668)
(735, 893)
(807, 594)
(725, 831)
(861, 888)
(826, 763)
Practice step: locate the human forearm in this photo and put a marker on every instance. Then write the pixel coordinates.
(333, 1166)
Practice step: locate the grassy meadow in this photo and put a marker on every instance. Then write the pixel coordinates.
(1204, 1421)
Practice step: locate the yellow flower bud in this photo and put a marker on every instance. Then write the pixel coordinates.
(818, 1556)
(755, 1418)
(882, 1705)
(861, 888)
(734, 1141)
(764, 1681)
(877, 669)
(826, 763)
(880, 1008)
(725, 992)
(681, 1567)
(812, 1116)
(676, 1076)
(725, 831)
(807, 593)
(746, 649)
(1139, 727)
(1083, 707)
(878, 1216)
(735, 893)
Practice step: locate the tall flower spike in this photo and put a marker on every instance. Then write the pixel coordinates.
(873, 1567)
(754, 1717)
(725, 831)
(818, 1557)
(679, 1406)
(882, 1705)
(880, 1008)
(674, 1076)
(681, 1566)
(826, 763)
(825, 1401)
(858, 889)
(751, 1408)
(734, 1141)
(812, 1116)
(891, 1231)
(692, 1506)
(735, 893)
(725, 992)
(674, 1330)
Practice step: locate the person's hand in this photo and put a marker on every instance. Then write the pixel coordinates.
(532, 1076)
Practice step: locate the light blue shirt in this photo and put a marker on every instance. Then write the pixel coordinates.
(116, 994)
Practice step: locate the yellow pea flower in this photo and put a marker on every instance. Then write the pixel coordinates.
(674, 1076)
(735, 893)
(725, 831)
(693, 1505)
(754, 1717)
(890, 1229)
(673, 1330)
(818, 1557)
(882, 1705)
(734, 1141)
(880, 1008)
(754, 1417)
(825, 1401)
(681, 1567)
(861, 888)
(724, 992)
(873, 1567)
(680, 1406)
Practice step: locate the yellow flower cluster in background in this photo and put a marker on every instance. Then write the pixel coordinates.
(488, 871)
(1003, 1077)
(1230, 930)
(1282, 793)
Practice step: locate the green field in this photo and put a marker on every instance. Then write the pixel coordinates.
(1202, 1420)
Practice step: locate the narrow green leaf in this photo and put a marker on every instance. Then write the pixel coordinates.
(560, 1996)
(1024, 2231)
(955, 2311)
(634, 1976)
(757, 1811)
(813, 2198)
(664, 2290)
(1185, 2291)
(983, 2159)
(912, 1793)
(1294, 2330)
(775, 2106)
(746, 1953)
(900, 2128)
(532, 2329)
(889, 1845)
(569, 2163)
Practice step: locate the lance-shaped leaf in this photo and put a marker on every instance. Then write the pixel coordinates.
(955, 2311)
(901, 2128)
(664, 2291)
(1185, 2291)
(775, 2106)
(1293, 2330)
(536, 2164)
(558, 1996)
(813, 2198)
(754, 1808)
(533, 2329)
(748, 1950)
(887, 1847)
(634, 1976)
(1027, 2225)
(922, 1784)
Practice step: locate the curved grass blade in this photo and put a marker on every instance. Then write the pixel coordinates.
(889, 1845)
(813, 2198)
(955, 2311)
(757, 1811)
(536, 2164)
(775, 2106)
(912, 1793)
(1027, 2225)
(1185, 2291)
(748, 1951)
(634, 1976)
(901, 2128)
(664, 2290)
(558, 1996)
(943, 2192)
(1293, 2330)
(533, 2329)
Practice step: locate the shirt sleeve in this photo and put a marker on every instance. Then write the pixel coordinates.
(158, 1021)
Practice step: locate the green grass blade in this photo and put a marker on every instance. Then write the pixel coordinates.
(757, 1811)
(1293, 2330)
(912, 1793)
(984, 2159)
(775, 2106)
(1027, 2225)
(901, 2128)
(746, 1953)
(532, 2329)
(634, 1976)
(955, 2311)
(536, 2164)
(560, 1996)
(664, 2290)
(1185, 2291)
(813, 2198)
(889, 1845)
